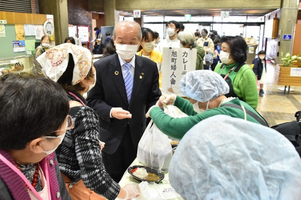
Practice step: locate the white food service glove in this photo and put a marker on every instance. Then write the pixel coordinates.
(131, 191)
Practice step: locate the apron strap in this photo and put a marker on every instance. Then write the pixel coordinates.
(252, 114)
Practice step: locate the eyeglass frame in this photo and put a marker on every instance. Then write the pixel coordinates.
(65, 129)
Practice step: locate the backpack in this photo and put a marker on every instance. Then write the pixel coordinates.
(292, 131)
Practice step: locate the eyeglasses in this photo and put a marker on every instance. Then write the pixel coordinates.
(69, 126)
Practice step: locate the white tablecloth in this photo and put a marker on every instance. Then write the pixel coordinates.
(151, 191)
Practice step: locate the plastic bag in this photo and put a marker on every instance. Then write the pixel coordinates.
(154, 147)
(174, 111)
(208, 59)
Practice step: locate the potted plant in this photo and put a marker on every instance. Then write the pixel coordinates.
(287, 77)
(290, 60)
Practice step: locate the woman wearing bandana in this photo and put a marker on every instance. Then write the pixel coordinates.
(79, 155)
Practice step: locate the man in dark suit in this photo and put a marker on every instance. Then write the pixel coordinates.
(126, 87)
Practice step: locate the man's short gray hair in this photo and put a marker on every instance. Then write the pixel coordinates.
(128, 24)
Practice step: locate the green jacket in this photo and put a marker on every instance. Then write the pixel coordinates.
(177, 127)
(199, 57)
(244, 82)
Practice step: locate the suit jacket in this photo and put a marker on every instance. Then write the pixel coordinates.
(109, 92)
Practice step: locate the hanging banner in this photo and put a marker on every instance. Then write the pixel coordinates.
(176, 63)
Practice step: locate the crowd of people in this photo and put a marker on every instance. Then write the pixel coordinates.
(55, 144)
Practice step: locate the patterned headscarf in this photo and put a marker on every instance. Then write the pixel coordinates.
(54, 62)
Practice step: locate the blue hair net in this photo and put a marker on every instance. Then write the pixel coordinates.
(203, 85)
(232, 159)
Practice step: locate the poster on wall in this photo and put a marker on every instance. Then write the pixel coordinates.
(72, 31)
(19, 46)
(176, 63)
(19, 32)
(2, 30)
(83, 33)
(38, 31)
(29, 29)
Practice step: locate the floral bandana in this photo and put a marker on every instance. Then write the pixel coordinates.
(54, 62)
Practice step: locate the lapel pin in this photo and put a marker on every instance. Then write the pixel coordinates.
(116, 73)
(140, 77)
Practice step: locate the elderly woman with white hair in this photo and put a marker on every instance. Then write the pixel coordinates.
(205, 90)
(187, 40)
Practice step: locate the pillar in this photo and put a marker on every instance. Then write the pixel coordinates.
(111, 15)
(287, 23)
(59, 10)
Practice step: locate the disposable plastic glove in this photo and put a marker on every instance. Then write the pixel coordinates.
(166, 100)
(131, 191)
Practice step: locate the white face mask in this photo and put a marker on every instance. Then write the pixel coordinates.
(224, 57)
(170, 32)
(125, 51)
(207, 106)
(45, 45)
(61, 137)
(196, 107)
(261, 57)
(148, 46)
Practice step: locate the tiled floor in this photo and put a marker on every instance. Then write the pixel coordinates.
(275, 106)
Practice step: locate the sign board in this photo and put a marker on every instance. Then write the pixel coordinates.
(287, 37)
(176, 63)
(295, 72)
(136, 13)
(225, 14)
(187, 17)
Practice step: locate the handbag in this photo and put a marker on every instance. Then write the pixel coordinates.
(79, 191)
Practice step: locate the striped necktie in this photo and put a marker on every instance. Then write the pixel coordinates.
(128, 81)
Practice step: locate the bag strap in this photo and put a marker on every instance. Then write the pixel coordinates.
(252, 114)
